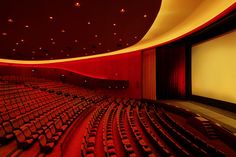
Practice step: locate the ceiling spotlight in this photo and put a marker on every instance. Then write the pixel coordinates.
(122, 10)
(93, 51)
(4, 34)
(77, 4)
(51, 58)
(145, 15)
(99, 43)
(53, 42)
(40, 48)
(108, 50)
(10, 20)
(114, 24)
(120, 39)
(26, 26)
(33, 52)
(17, 43)
(95, 35)
(76, 41)
(32, 57)
(67, 55)
(61, 51)
(135, 37)
(114, 33)
(84, 48)
(13, 50)
(63, 31)
(89, 22)
(50, 17)
(22, 40)
(127, 44)
(51, 39)
(46, 54)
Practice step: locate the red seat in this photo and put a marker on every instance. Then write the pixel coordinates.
(22, 142)
(45, 146)
(4, 136)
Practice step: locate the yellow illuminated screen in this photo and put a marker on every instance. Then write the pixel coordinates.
(214, 68)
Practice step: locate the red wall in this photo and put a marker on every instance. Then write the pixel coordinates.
(117, 67)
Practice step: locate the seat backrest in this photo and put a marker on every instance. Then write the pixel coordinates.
(48, 133)
(58, 124)
(26, 118)
(8, 128)
(32, 128)
(15, 124)
(52, 128)
(2, 132)
(19, 136)
(42, 140)
(5, 116)
(27, 132)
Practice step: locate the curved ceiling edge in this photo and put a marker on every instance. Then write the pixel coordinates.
(204, 12)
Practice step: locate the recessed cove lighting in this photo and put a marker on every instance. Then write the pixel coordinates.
(10, 20)
(77, 4)
(122, 10)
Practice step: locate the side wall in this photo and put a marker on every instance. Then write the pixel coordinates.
(149, 74)
(117, 67)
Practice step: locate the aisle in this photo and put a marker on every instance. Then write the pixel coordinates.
(74, 145)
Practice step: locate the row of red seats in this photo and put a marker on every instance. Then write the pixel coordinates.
(88, 144)
(186, 135)
(163, 150)
(146, 150)
(108, 139)
(192, 148)
(122, 131)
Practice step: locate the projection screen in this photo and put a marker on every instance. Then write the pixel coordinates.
(213, 69)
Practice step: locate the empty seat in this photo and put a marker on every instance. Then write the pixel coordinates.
(59, 126)
(4, 136)
(45, 146)
(50, 136)
(28, 133)
(22, 142)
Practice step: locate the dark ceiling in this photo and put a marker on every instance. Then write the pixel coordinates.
(57, 29)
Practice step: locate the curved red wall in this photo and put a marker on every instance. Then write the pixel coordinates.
(117, 67)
